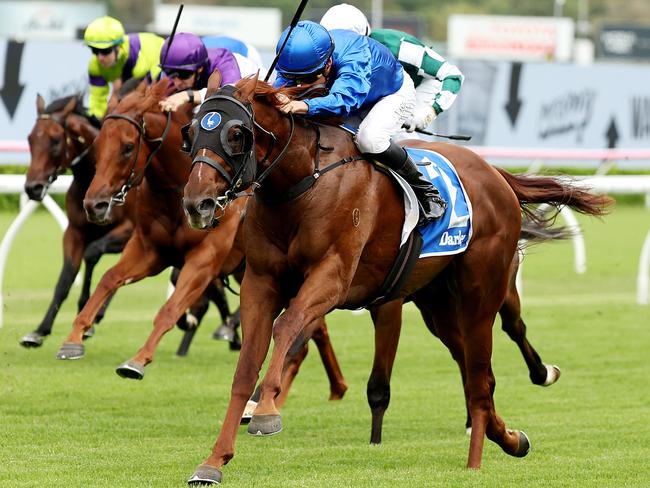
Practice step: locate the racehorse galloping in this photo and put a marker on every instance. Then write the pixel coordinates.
(60, 139)
(139, 145)
(318, 240)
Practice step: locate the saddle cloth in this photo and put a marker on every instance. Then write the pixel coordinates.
(451, 233)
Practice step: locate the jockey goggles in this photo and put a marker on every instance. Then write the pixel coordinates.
(105, 51)
(181, 74)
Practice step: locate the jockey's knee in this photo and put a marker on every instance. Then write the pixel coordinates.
(371, 143)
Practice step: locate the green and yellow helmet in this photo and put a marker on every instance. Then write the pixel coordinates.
(104, 32)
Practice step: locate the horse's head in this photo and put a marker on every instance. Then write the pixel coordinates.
(57, 138)
(127, 141)
(227, 136)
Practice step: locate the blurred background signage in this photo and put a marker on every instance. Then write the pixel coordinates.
(22, 20)
(258, 26)
(511, 38)
(624, 42)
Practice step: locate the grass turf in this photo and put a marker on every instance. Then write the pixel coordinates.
(78, 424)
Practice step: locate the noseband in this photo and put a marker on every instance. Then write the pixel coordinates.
(120, 197)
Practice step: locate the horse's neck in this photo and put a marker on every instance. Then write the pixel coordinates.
(295, 164)
(169, 169)
(83, 170)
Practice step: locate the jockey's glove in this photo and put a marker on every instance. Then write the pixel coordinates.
(423, 117)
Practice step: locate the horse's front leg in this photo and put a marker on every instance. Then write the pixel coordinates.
(135, 263)
(387, 319)
(326, 286)
(73, 249)
(201, 265)
(260, 303)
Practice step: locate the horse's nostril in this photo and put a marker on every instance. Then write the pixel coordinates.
(35, 191)
(100, 207)
(207, 205)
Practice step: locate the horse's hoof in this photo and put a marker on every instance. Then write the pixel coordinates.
(130, 369)
(89, 333)
(33, 339)
(224, 333)
(553, 373)
(468, 431)
(524, 445)
(205, 475)
(262, 425)
(70, 350)
(248, 412)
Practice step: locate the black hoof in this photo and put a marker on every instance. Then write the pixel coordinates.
(263, 425)
(131, 370)
(89, 333)
(70, 350)
(33, 339)
(524, 445)
(205, 475)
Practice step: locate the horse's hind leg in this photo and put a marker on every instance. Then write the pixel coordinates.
(387, 319)
(482, 286)
(513, 325)
(190, 323)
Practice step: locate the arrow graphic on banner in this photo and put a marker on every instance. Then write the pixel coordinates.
(514, 102)
(11, 88)
(612, 134)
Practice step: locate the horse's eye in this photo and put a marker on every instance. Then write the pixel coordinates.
(128, 147)
(55, 141)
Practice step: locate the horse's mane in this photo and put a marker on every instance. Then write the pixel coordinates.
(143, 100)
(60, 103)
(268, 93)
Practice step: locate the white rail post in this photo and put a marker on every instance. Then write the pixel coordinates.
(642, 281)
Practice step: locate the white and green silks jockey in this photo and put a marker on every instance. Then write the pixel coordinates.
(117, 56)
(437, 82)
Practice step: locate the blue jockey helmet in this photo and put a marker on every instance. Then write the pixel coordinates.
(307, 50)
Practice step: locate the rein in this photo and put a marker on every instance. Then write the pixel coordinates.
(308, 181)
(120, 197)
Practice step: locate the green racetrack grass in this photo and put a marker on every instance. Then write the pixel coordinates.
(77, 424)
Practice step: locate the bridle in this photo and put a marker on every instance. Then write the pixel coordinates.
(68, 140)
(246, 162)
(120, 197)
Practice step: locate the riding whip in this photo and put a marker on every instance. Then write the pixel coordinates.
(171, 37)
(455, 137)
(294, 22)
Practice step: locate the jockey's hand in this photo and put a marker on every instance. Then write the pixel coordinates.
(292, 106)
(423, 117)
(172, 102)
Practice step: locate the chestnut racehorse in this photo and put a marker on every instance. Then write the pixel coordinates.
(61, 139)
(319, 237)
(138, 145)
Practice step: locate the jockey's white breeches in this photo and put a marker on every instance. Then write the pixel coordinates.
(386, 118)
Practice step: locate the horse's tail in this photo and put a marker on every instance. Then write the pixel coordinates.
(556, 192)
(533, 232)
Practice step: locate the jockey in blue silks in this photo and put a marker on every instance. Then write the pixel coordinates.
(362, 76)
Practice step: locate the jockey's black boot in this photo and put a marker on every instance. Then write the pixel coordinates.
(432, 204)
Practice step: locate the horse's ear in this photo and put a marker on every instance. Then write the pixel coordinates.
(142, 87)
(214, 82)
(112, 103)
(247, 88)
(70, 106)
(40, 104)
